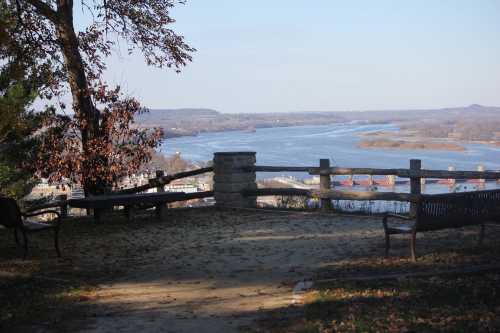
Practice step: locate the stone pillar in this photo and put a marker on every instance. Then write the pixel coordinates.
(230, 179)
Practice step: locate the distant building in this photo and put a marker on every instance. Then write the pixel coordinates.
(186, 188)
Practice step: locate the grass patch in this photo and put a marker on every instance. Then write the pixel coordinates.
(435, 304)
(352, 299)
(431, 304)
(43, 290)
(437, 260)
(33, 302)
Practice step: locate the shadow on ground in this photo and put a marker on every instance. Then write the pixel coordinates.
(204, 270)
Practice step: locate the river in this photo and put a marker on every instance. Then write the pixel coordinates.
(305, 145)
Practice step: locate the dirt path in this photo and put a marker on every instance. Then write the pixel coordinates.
(193, 275)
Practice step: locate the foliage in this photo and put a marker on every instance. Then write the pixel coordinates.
(18, 123)
(98, 144)
(119, 150)
(16, 144)
(170, 164)
(292, 202)
(14, 183)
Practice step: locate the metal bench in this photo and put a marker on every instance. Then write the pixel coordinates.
(12, 217)
(444, 211)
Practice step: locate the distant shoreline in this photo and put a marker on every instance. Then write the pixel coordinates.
(474, 124)
(409, 136)
(410, 145)
(168, 134)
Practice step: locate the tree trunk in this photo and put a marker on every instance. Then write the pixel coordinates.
(82, 102)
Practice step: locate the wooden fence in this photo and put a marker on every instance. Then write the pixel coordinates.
(325, 193)
(235, 184)
(132, 195)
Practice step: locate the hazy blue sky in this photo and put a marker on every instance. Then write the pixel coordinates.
(291, 55)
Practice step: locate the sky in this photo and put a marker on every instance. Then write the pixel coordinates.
(325, 55)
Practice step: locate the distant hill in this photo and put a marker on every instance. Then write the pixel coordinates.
(192, 121)
(173, 114)
(411, 114)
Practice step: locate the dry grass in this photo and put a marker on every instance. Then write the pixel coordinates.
(361, 296)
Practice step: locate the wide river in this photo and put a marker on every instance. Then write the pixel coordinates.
(305, 145)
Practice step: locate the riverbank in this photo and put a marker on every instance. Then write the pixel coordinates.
(410, 145)
(415, 136)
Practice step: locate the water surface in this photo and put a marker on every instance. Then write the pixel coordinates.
(305, 145)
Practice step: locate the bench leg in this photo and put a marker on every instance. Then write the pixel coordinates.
(387, 244)
(16, 236)
(413, 240)
(129, 212)
(25, 239)
(481, 235)
(159, 210)
(56, 242)
(97, 215)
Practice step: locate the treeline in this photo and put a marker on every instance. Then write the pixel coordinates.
(469, 129)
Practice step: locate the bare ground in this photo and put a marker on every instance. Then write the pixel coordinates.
(209, 270)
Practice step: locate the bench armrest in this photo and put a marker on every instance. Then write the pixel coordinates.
(398, 216)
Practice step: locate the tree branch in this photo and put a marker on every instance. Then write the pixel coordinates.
(45, 10)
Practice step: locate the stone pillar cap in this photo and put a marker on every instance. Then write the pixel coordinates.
(235, 153)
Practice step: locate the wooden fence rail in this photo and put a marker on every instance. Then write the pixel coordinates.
(277, 191)
(366, 195)
(164, 180)
(402, 173)
(61, 203)
(335, 194)
(325, 193)
(131, 201)
(106, 201)
(267, 168)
